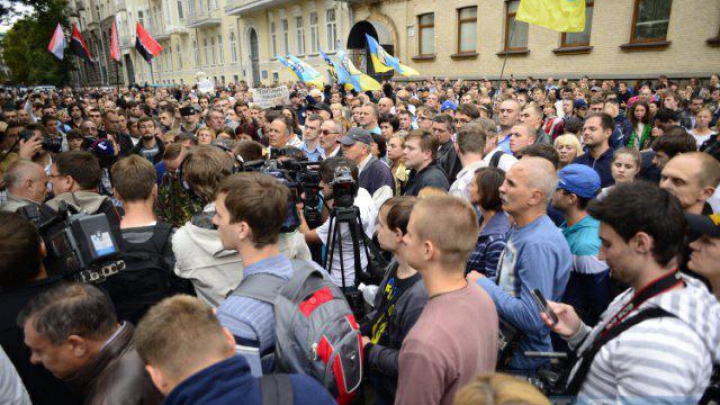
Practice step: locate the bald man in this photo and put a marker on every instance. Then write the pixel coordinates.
(26, 183)
(386, 106)
(692, 178)
(536, 256)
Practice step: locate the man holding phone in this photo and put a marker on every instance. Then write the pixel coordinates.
(660, 337)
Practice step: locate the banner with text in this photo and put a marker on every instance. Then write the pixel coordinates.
(270, 97)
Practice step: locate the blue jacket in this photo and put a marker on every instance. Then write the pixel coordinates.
(230, 383)
(489, 247)
(602, 165)
(622, 131)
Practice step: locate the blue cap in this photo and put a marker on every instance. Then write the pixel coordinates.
(448, 105)
(580, 180)
(581, 103)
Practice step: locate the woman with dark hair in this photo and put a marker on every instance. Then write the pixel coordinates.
(292, 116)
(640, 119)
(494, 226)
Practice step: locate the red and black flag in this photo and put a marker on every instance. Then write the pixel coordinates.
(78, 47)
(115, 53)
(146, 45)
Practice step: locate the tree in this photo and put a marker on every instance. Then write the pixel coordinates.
(25, 47)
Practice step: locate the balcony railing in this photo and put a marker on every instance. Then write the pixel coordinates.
(200, 17)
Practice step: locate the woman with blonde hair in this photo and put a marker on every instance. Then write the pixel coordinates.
(500, 389)
(568, 148)
(205, 136)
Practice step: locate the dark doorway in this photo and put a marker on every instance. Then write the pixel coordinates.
(130, 70)
(360, 54)
(254, 57)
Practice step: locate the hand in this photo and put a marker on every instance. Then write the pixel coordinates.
(568, 320)
(30, 148)
(474, 276)
(365, 340)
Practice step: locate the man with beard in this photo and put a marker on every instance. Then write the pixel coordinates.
(150, 147)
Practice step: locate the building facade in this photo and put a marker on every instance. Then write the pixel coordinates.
(233, 40)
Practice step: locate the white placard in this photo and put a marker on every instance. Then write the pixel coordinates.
(270, 97)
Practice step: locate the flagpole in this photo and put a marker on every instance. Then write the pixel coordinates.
(512, 32)
(117, 76)
(152, 77)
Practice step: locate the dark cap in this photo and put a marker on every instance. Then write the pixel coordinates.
(580, 104)
(321, 106)
(704, 224)
(356, 135)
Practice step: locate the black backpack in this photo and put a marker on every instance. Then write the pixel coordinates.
(146, 279)
(495, 159)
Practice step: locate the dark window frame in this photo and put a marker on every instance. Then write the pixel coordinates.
(633, 27)
(460, 23)
(563, 36)
(508, 27)
(422, 26)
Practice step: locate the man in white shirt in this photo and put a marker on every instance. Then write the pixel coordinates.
(470, 148)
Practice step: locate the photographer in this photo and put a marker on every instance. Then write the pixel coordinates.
(657, 340)
(200, 256)
(72, 330)
(368, 213)
(22, 277)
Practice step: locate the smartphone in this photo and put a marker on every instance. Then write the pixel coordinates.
(544, 307)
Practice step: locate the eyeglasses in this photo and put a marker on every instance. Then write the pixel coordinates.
(326, 132)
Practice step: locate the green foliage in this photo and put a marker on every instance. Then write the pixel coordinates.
(25, 47)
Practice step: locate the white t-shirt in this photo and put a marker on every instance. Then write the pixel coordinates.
(368, 216)
(700, 139)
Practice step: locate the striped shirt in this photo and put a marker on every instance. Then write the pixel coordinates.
(668, 360)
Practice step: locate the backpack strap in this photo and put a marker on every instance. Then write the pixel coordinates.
(302, 271)
(262, 287)
(276, 389)
(586, 359)
(495, 159)
(161, 235)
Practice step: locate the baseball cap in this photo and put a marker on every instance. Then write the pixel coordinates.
(581, 104)
(321, 106)
(596, 88)
(448, 105)
(356, 135)
(580, 180)
(704, 224)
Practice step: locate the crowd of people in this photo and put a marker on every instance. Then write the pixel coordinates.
(501, 232)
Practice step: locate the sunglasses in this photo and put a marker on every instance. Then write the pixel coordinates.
(326, 132)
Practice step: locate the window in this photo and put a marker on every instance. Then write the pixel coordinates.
(516, 32)
(314, 37)
(233, 47)
(181, 13)
(580, 38)
(426, 24)
(141, 18)
(286, 35)
(651, 19)
(467, 30)
(300, 35)
(221, 51)
(169, 62)
(331, 29)
(212, 50)
(196, 53)
(179, 56)
(273, 39)
(276, 77)
(207, 60)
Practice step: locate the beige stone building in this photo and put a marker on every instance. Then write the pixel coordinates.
(232, 40)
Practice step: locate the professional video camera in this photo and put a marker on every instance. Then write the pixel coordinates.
(297, 175)
(49, 143)
(80, 246)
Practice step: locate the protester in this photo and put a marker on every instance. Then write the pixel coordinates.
(375, 175)
(625, 168)
(598, 154)
(568, 148)
(470, 147)
(420, 157)
(26, 184)
(440, 354)
(640, 243)
(706, 248)
(499, 389)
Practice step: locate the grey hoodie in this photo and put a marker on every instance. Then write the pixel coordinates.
(669, 359)
(213, 270)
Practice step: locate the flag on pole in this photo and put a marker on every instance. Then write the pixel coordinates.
(303, 71)
(558, 15)
(146, 44)
(383, 61)
(359, 80)
(115, 44)
(330, 64)
(78, 47)
(57, 43)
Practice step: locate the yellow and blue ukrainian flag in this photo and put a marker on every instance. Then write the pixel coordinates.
(558, 15)
(303, 71)
(383, 62)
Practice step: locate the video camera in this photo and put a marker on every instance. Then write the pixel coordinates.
(49, 143)
(344, 187)
(80, 246)
(303, 182)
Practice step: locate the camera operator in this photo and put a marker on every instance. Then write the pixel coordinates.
(629, 353)
(375, 175)
(368, 214)
(26, 184)
(72, 330)
(22, 277)
(200, 256)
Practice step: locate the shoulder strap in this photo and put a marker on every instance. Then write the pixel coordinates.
(276, 389)
(262, 286)
(161, 235)
(495, 159)
(302, 271)
(586, 359)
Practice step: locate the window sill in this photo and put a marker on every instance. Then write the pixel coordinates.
(310, 55)
(714, 42)
(464, 55)
(330, 53)
(514, 52)
(572, 50)
(423, 58)
(645, 46)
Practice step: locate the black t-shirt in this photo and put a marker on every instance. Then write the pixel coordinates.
(389, 295)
